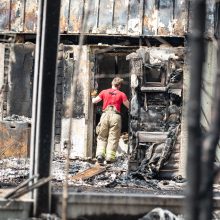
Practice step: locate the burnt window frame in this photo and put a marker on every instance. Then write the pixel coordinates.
(163, 73)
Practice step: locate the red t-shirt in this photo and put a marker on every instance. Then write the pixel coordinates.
(112, 97)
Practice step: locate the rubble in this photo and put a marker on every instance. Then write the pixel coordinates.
(156, 108)
(156, 156)
(13, 171)
(115, 176)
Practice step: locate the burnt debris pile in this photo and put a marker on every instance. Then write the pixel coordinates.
(13, 171)
(87, 175)
(155, 115)
(156, 155)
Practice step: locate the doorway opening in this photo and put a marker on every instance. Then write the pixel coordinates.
(110, 63)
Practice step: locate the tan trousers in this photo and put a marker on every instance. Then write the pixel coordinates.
(108, 131)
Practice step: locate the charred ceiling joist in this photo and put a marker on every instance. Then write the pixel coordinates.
(155, 114)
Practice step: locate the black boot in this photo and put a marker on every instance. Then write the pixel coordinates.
(100, 159)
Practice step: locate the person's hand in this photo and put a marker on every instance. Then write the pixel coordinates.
(94, 93)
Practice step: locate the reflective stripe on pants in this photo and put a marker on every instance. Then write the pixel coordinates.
(109, 131)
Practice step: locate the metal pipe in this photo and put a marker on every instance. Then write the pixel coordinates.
(35, 90)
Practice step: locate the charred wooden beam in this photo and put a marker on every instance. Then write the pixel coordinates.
(44, 98)
(88, 173)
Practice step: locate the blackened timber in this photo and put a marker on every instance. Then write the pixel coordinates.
(90, 39)
(122, 40)
(44, 95)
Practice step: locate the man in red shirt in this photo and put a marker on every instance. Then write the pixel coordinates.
(109, 127)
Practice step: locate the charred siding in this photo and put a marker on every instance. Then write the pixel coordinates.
(121, 17)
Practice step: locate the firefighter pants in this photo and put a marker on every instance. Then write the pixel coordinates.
(108, 131)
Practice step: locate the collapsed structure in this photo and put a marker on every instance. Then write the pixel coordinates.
(143, 42)
(156, 106)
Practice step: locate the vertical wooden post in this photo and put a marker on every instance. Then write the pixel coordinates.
(42, 136)
(197, 55)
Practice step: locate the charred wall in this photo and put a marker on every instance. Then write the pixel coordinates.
(16, 82)
(17, 62)
(77, 95)
(68, 77)
(20, 80)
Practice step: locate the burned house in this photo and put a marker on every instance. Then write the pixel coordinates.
(142, 41)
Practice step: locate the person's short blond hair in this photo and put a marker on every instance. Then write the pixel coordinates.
(117, 81)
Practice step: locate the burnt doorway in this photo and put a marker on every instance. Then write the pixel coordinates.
(109, 64)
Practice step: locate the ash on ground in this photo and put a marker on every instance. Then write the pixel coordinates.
(116, 178)
(13, 171)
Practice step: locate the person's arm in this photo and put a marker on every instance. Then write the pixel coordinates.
(126, 104)
(96, 99)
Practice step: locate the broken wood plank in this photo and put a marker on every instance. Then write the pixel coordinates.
(86, 174)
